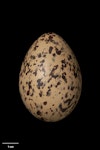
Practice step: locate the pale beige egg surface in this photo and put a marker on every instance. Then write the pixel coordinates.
(50, 80)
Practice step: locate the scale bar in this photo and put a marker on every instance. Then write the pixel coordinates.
(12, 146)
(10, 143)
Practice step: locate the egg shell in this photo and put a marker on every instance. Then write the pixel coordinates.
(50, 80)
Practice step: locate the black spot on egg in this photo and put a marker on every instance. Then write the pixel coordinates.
(28, 92)
(40, 94)
(32, 57)
(45, 103)
(39, 55)
(39, 113)
(64, 77)
(54, 54)
(75, 74)
(58, 52)
(58, 83)
(50, 49)
(66, 95)
(39, 83)
(61, 108)
(69, 57)
(35, 72)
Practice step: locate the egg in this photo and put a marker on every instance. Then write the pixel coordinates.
(50, 80)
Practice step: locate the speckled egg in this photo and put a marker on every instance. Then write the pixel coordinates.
(50, 80)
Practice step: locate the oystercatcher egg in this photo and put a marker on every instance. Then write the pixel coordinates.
(50, 80)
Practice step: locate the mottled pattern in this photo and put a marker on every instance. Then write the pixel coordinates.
(50, 80)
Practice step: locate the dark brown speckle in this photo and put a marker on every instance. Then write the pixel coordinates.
(25, 98)
(36, 47)
(50, 38)
(39, 83)
(40, 94)
(45, 103)
(75, 74)
(35, 72)
(69, 57)
(58, 83)
(32, 57)
(39, 55)
(53, 70)
(64, 64)
(42, 39)
(36, 105)
(49, 79)
(44, 55)
(51, 85)
(38, 113)
(72, 88)
(42, 61)
(51, 110)
(66, 95)
(48, 92)
(61, 108)
(58, 51)
(30, 99)
(23, 87)
(53, 113)
(64, 77)
(41, 107)
(54, 54)
(31, 105)
(69, 100)
(50, 49)
(28, 92)
(20, 82)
